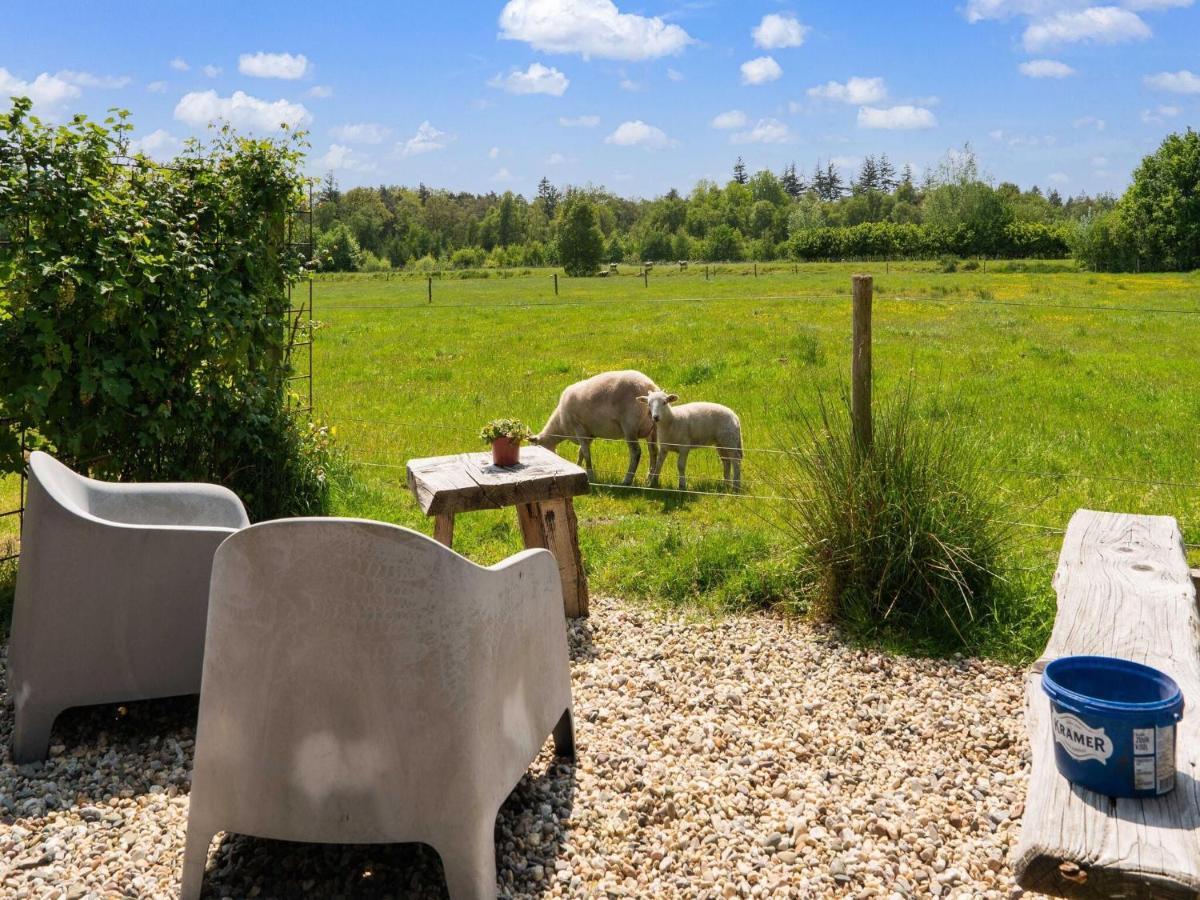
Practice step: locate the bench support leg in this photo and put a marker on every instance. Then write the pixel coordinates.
(551, 525)
(443, 529)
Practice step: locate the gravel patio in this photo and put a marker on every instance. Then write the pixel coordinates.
(748, 756)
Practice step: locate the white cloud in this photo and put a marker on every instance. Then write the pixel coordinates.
(273, 65)
(179, 64)
(628, 84)
(157, 87)
(578, 121)
(160, 144)
(1045, 68)
(1023, 140)
(494, 153)
(858, 91)
(211, 71)
(760, 70)
(735, 118)
(979, 10)
(426, 140)
(556, 159)
(502, 176)
(592, 28)
(88, 80)
(1159, 115)
(639, 134)
(1090, 122)
(339, 157)
(1059, 177)
(776, 31)
(537, 79)
(1100, 162)
(320, 91)
(48, 92)
(361, 133)
(1096, 24)
(896, 118)
(765, 131)
(1181, 82)
(674, 74)
(201, 107)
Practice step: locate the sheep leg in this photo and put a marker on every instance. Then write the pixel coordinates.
(585, 457)
(658, 456)
(682, 466)
(737, 474)
(726, 466)
(635, 457)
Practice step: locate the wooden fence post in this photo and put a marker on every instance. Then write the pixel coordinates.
(860, 396)
(429, 285)
(645, 278)
(555, 284)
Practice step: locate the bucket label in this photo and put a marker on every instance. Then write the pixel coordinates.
(1143, 741)
(1166, 759)
(1080, 740)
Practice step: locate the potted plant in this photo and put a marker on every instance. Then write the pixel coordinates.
(505, 436)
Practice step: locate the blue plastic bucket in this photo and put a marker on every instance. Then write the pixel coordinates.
(1113, 724)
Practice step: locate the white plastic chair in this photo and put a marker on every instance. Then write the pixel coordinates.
(112, 593)
(365, 684)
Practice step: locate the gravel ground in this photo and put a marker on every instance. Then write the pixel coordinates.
(741, 757)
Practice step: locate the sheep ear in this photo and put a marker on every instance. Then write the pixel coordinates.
(671, 398)
(643, 399)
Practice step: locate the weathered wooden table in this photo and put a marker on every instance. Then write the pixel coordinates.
(540, 487)
(1124, 590)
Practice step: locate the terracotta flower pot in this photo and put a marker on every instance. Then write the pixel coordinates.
(506, 451)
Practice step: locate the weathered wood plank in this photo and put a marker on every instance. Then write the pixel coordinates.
(1124, 590)
(468, 481)
(561, 537)
(443, 529)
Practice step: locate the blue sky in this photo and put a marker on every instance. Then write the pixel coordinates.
(640, 95)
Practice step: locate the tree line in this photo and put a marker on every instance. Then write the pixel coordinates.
(881, 212)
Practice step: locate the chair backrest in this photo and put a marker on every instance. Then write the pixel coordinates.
(67, 488)
(340, 652)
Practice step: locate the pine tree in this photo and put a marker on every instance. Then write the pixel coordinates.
(422, 193)
(792, 183)
(1054, 197)
(868, 176)
(820, 184)
(739, 172)
(834, 187)
(906, 176)
(329, 192)
(549, 196)
(887, 174)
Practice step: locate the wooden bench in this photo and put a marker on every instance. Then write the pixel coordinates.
(1124, 590)
(540, 487)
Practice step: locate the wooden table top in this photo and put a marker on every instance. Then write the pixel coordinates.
(468, 481)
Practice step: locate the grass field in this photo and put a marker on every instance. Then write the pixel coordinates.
(1080, 385)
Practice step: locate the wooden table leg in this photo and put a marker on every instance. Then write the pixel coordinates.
(443, 529)
(552, 525)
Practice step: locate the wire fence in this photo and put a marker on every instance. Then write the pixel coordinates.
(764, 490)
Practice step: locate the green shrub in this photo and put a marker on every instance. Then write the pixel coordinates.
(903, 540)
(948, 264)
(144, 326)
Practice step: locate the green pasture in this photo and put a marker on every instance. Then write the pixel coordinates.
(1080, 387)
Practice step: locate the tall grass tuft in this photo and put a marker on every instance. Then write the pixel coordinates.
(902, 542)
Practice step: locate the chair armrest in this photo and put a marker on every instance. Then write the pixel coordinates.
(188, 505)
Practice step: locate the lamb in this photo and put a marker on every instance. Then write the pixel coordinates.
(603, 406)
(681, 428)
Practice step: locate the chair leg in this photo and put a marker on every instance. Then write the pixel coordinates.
(31, 732)
(469, 860)
(564, 736)
(195, 858)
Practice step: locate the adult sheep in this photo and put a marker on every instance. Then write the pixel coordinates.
(683, 428)
(603, 406)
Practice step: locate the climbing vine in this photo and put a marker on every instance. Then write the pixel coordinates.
(144, 308)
